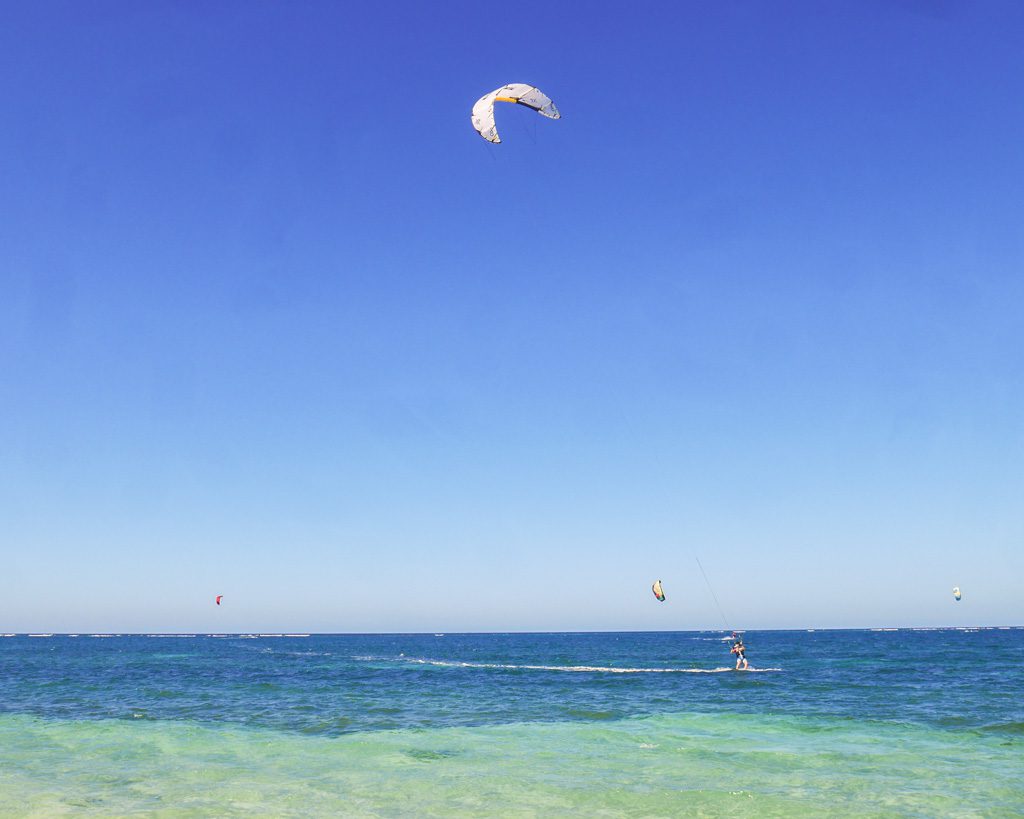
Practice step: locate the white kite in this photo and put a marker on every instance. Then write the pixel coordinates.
(517, 92)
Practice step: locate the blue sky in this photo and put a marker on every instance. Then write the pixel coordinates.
(276, 324)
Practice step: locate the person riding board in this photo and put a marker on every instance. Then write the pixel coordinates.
(740, 651)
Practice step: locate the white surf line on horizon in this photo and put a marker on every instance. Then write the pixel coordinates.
(572, 668)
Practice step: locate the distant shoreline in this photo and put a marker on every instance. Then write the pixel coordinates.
(270, 635)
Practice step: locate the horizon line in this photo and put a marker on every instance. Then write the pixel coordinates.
(255, 634)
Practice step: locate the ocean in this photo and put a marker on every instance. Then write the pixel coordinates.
(922, 723)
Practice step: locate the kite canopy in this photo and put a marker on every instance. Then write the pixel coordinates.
(956, 593)
(219, 598)
(656, 588)
(517, 92)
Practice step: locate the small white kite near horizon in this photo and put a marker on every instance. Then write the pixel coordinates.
(518, 93)
(658, 591)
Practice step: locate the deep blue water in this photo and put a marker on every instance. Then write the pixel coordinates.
(338, 684)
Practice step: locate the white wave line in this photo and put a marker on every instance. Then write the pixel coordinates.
(580, 668)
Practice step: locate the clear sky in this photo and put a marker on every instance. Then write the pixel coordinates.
(276, 324)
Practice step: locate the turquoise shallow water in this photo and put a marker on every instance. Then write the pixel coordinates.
(514, 725)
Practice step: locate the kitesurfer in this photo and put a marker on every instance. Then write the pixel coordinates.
(740, 651)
